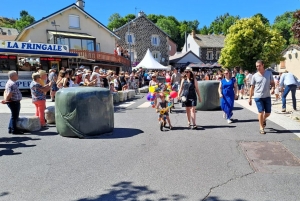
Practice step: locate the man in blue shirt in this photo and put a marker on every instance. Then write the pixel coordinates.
(290, 82)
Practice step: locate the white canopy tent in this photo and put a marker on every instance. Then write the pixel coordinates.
(149, 62)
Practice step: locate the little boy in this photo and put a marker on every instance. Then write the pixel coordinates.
(163, 105)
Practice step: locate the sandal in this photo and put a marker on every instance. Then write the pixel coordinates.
(194, 127)
(262, 131)
(189, 124)
(170, 127)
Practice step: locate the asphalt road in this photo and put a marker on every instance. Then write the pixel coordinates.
(139, 162)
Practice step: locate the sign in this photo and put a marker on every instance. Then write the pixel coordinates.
(49, 59)
(16, 45)
(22, 84)
(7, 57)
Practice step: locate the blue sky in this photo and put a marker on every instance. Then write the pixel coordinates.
(204, 11)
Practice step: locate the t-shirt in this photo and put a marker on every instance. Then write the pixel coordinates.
(262, 84)
(240, 78)
(52, 76)
(249, 78)
(176, 77)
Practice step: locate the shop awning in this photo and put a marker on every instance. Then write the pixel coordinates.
(38, 53)
(77, 35)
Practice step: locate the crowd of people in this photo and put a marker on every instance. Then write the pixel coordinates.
(233, 84)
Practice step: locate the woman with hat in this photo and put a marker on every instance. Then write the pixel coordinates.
(39, 97)
(190, 91)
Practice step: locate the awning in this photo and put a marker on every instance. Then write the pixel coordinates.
(77, 35)
(38, 53)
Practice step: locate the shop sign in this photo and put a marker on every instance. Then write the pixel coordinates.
(7, 57)
(22, 84)
(49, 59)
(15, 45)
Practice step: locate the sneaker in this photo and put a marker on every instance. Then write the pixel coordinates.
(224, 115)
(229, 121)
(283, 110)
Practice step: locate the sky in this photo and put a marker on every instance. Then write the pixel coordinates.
(203, 11)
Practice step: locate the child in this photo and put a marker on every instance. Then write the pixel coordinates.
(163, 105)
(276, 90)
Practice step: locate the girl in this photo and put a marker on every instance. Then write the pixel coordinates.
(163, 105)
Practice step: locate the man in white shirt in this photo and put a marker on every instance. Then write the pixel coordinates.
(248, 80)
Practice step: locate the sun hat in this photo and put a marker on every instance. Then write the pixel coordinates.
(35, 75)
(42, 72)
(189, 69)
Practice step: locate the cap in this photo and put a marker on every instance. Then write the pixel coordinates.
(189, 69)
(42, 72)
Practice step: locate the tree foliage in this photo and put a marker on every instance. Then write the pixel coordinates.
(24, 20)
(264, 20)
(249, 40)
(296, 25)
(283, 24)
(220, 25)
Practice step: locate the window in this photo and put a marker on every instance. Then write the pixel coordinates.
(155, 40)
(209, 55)
(74, 21)
(98, 49)
(88, 45)
(8, 32)
(129, 38)
(156, 55)
(218, 55)
(131, 54)
(62, 41)
(75, 43)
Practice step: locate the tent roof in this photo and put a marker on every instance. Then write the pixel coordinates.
(149, 62)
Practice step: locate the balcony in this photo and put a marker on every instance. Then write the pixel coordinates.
(102, 56)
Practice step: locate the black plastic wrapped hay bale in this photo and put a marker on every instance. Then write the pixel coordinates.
(209, 95)
(84, 111)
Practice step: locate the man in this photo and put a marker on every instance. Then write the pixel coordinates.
(141, 76)
(12, 97)
(260, 87)
(290, 82)
(175, 81)
(53, 78)
(240, 77)
(248, 80)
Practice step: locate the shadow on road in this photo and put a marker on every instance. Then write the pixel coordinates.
(213, 198)
(122, 133)
(276, 131)
(126, 191)
(4, 194)
(8, 144)
(244, 120)
(44, 132)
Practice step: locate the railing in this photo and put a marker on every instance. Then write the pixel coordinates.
(101, 56)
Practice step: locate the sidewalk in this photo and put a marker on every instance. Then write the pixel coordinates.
(290, 120)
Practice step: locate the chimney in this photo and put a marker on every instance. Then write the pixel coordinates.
(194, 34)
(80, 4)
(141, 13)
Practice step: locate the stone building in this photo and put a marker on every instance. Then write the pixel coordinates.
(206, 47)
(141, 34)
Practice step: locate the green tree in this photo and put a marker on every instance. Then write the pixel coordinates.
(283, 23)
(249, 40)
(222, 23)
(296, 25)
(168, 26)
(115, 21)
(264, 20)
(154, 18)
(24, 21)
(204, 30)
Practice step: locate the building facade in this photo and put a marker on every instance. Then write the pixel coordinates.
(8, 33)
(141, 34)
(292, 60)
(84, 35)
(206, 47)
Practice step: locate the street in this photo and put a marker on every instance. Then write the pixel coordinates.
(140, 162)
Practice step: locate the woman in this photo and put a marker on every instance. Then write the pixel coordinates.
(153, 81)
(122, 79)
(60, 79)
(227, 91)
(168, 77)
(190, 91)
(39, 97)
(219, 75)
(87, 78)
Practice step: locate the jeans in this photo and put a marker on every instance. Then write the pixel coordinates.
(287, 89)
(14, 107)
(40, 107)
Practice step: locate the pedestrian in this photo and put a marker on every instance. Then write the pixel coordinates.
(240, 77)
(248, 80)
(190, 91)
(39, 97)
(12, 97)
(228, 92)
(53, 78)
(260, 88)
(290, 82)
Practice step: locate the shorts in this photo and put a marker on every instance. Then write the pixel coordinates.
(263, 104)
(241, 86)
(162, 115)
(190, 102)
(54, 87)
